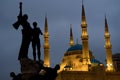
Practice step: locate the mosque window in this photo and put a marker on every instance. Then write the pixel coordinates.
(67, 68)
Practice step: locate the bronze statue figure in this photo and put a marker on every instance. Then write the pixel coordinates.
(26, 33)
(31, 69)
(36, 41)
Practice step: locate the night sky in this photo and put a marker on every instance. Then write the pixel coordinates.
(60, 14)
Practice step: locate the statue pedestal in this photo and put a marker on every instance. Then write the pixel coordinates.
(29, 68)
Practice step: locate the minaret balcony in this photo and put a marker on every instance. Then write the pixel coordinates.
(84, 37)
(46, 46)
(83, 25)
(107, 36)
(108, 46)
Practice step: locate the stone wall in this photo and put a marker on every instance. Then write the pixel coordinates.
(82, 75)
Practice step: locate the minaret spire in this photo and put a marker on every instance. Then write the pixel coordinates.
(46, 45)
(83, 14)
(46, 24)
(71, 36)
(106, 26)
(84, 38)
(108, 48)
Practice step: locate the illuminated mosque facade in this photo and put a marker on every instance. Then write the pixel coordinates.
(78, 62)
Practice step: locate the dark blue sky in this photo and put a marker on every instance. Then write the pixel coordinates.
(60, 14)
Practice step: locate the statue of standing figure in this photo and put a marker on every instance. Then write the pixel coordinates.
(28, 35)
(36, 41)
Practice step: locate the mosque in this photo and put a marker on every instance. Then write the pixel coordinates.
(78, 62)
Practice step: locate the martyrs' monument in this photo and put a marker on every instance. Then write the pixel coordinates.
(31, 69)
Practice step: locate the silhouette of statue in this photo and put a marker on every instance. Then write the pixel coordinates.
(36, 41)
(51, 73)
(16, 77)
(26, 33)
(46, 73)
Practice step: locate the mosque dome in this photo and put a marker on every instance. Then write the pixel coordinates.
(75, 47)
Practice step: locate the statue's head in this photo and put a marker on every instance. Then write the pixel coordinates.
(12, 74)
(25, 17)
(57, 67)
(34, 24)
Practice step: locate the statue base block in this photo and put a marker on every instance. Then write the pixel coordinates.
(29, 68)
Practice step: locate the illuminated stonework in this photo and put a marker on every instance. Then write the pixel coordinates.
(108, 48)
(46, 46)
(71, 36)
(78, 62)
(73, 59)
(85, 46)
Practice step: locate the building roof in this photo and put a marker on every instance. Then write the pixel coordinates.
(75, 47)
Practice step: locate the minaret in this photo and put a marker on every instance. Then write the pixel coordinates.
(71, 36)
(84, 38)
(108, 48)
(46, 45)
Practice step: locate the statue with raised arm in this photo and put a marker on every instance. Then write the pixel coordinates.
(26, 33)
(17, 23)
